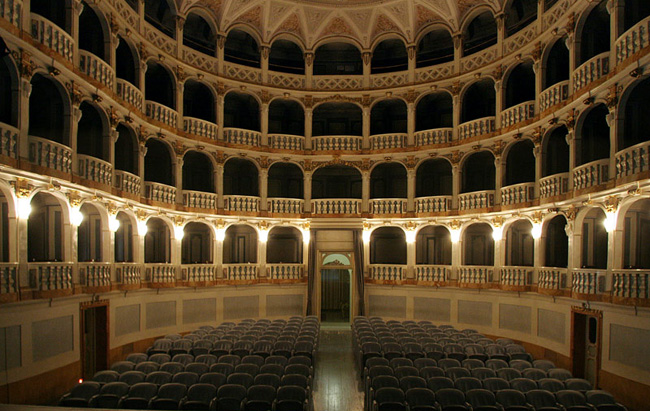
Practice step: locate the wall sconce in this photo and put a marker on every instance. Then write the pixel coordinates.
(220, 234)
(264, 231)
(365, 235)
(454, 231)
(306, 234)
(24, 207)
(610, 221)
(497, 233)
(179, 232)
(536, 231)
(410, 233)
(76, 216)
(113, 223)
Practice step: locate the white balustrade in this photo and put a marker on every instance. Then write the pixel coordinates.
(553, 95)
(517, 193)
(159, 39)
(435, 72)
(476, 200)
(127, 182)
(336, 206)
(434, 136)
(95, 274)
(476, 274)
(387, 272)
(240, 272)
(526, 36)
(52, 36)
(160, 273)
(633, 41)
(50, 154)
(285, 80)
(551, 278)
(200, 199)
(479, 59)
(8, 272)
(8, 140)
(590, 71)
(433, 204)
(516, 276)
(553, 185)
(336, 143)
(285, 205)
(476, 127)
(248, 74)
(432, 273)
(199, 272)
(286, 142)
(385, 80)
(633, 160)
(96, 68)
(50, 276)
(338, 82)
(518, 114)
(162, 113)
(126, 12)
(387, 205)
(591, 174)
(630, 283)
(129, 93)
(200, 127)
(384, 141)
(243, 137)
(160, 192)
(94, 169)
(200, 60)
(128, 273)
(588, 281)
(12, 11)
(241, 203)
(285, 271)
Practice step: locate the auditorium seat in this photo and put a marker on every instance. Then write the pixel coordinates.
(512, 400)
(80, 395)
(451, 399)
(172, 367)
(199, 397)
(138, 396)
(159, 378)
(109, 395)
(389, 399)
(186, 378)
(291, 398)
(421, 399)
(132, 377)
(482, 400)
(542, 400)
(137, 357)
(259, 398)
(603, 401)
(229, 397)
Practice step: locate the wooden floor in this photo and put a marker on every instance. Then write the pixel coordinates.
(336, 382)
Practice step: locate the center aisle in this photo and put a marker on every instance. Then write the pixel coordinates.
(336, 383)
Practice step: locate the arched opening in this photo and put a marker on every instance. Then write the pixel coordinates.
(435, 110)
(9, 92)
(480, 34)
(4, 229)
(55, 11)
(336, 182)
(158, 163)
(594, 36)
(198, 173)
(556, 153)
(636, 121)
(433, 246)
(388, 180)
(92, 140)
(388, 116)
(389, 55)
(126, 150)
(159, 14)
(159, 85)
(286, 57)
(636, 235)
(240, 245)
(48, 111)
(337, 59)
(520, 86)
(198, 101)
(479, 101)
(157, 242)
(125, 64)
(520, 163)
(284, 246)
(90, 235)
(285, 180)
(388, 246)
(594, 240)
(635, 11)
(435, 47)
(124, 239)
(592, 137)
(556, 243)
(240, 177)
(198, 35)
(557, 65)
(335, 119)
(520, 245)
(241, 110)
(434, 178)
(478, 245)
(196, 246)
(286, 117)
(93, 39)
(241, 48)
(45, 229)
(478, 172)
(519, 14)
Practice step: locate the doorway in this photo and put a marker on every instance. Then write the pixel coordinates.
(586, 343)
(336, 288)
(94, 338)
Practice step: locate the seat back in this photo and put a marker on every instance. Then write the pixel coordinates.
(159, 378)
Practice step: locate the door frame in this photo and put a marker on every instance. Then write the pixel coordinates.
(318, 281)
(578, 351)
(82, 344)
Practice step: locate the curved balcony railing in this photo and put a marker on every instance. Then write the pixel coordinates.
(633, 41)
(285, 80)
(477, 274)
(433, 204)
(553, 185)
(162, 113)
(338, 82)
(159, 39)
(476, 200)
(50, 154)
(436, 72)
(434, 136)
(591, 174)
(517, 193)
(8, 278)
(630, 284)
(242, 136)
(240, 272)
(518, 114)
(129, 93)
(127, 182)
(633, 160)
(95, 274)
(160, 192)
(50, 276)
(96, 68)
(285, 271)
(590, 71)
(286, 142)
(199, 60)
(336, 206)
(160, 273)
(387, 272)
(385, 80)
(285, 205)
(52, 36)
(432, 273)
(588, 281)
(200, 199)
(384, 141)
(128, 273)
(520, 39)
(476, 127)
(516, 276)
(479, 59)
(550, 278)
(250, 204)
(555, 94)
(198, 272)
(200, 127)
(388, 205)
(336, 143)
(249, 74)
(94, 169)
(8, 140)
(12, 11)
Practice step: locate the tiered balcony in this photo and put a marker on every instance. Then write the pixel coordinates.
(553, 185)
(388, 205)
(128, 273)
(243, 137)
(337, 82)
(588, 281)
(632, 284)
(336, 206)
(199, 272)
(201, 128)
(238, 72)
(249, 204)
(129, 93)
(595, 68)
(517, 193)
(479, 59)
(432, 273)
(516, 277)
(127, 182)
(555, 94)
(478, 127)
(8, 140)
(476, 200)
(386, 80)
(633, 41)
(591, 174)
(433, 204)
(285, 80)
(160, 273)
(94, 169)
(285, 271)
(95, 274)
(435, 72)
(434, 136)
(387, 272)
(518, 114)
(199, 60)
(387, 141)
(162, 113)
(8, 278)
(551, 280)
(160, 192)
(50, 154)
(96, 68)
(475, 276)
(52, 36)
(286, 142)
(633, 160)
(240, 272)
(285, 205)
(200, 199)
(336, 143)
(12, 11)
(50, 276)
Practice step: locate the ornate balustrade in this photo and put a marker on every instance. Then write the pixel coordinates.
(8, 140)
(633, 40)
(200, 127)
(479, 59)
(384, 141)
(588, 281)
(285, 205)
(286, 142)
(162, 113)
(129, 93)
(243, 137)
(553, 185)
(8, 278)
(435, 72)
(285, 80)
(50, 154)
(199, 60)
(476, 127)
(633, 160)
(519, 40)
(249, 204)
(127, 182)
(336, 143)
(516, 276)
(160, 192)
(240, 272)
(248, 74)
(387, 272)
(433, 204)
(550, 278)
(338, 82)
(590, 71)
(95, 274)
(12, 11)
(200, 199)
(388, 205)
(199, 272)
(517, 193)
(476, 200)
(50, 276)
(517, 114)
(96, 68)
(52, 36)
(434, 136)
(94, 169)
(555, 94)
(630, 284)
(336, 206)
(385, 80)
(128, 273)
(159, 39)
(160, 273)
(591, 174)
(285, 271)
(432, 273)
(477, 274)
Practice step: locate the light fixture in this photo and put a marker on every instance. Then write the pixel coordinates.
(610, 221)
(536, 231)
(410, 236)
(306, 236)
(455, 235)
(179, 232)
(221, 234)
(24, 207)
(76, 216)
(264, 235)
(366, 236)
(113, 223)
(497, 233)
(142, 227)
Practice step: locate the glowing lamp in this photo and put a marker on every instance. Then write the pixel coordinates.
(179, 232)
(410, 236)
(142, 227)
(113, 224)
(455, 235)
(76, 217)
(24, 207)
(536, 231)
(221, 234)
(366, 236)
(610, 221)
(306, 236)
(497, 233)
(264, 235)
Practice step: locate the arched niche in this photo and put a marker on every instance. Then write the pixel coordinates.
(284, 246)
(335, 119)
(595, 241)
(126, 66)
(336, 182)
(124, 239)
(433, 111)
(434, 178)
(94, 38)
(9, 92)
(241, 48)
(49, 111)
(337, 58)
(520, 163)
(240, 245)
(159, 85)
(519, 14)
(480, 33)
(636, 235)
(198, 101)
(556, 64)
(285, 180)
(157, 242)
(435, 47)
(286, 56)
(593, 35)
(520, 245)
(240, 177)
(92, 133)
(388, 116)
(388, 180)
(45, 229)
(58, 12)
(198, 173)
(199, 35)
(478, 172)
(636, 122)
(196, 246)
(556, 243)
(90, 234)
(555, 152)
(241, 110)
(433, 246)
(478, 101)
(126, 150)
(592, 136)
(158, 165)
(388, 246)
(478, 245)
(520, 87)
(286, 117)
(160, 14)
(388, 56)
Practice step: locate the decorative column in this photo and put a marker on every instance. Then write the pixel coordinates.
(455, 178)
(538, 248)
(410, 184)
(177, 245)
(220, 160)
(367, 59)
(264, 118)
(573, 47)
(412, 62)
(180, 25)
(307, 188)
(138, 243)
(113, 135)
(365, 190)
(457, 108)
(264, 183)
(501, 32)
(261, 250)
(539, 76)
(76, 97)
(615, 237)
(26, 67)
(219, 106)
(458, 51)
(143, 74)
(499, 247)
(20, 251)
(218, 249)
(612, 121)
(571, 141)
(141, 15)
(264, 63)
(574, 237)
(309, 115)
(180, 89)
(456, 250)
(77, 7)
(71, 236)
(616, 10)
(410, 250)
(142, 153)
(497, 150)
(366, 123)
(410, 118)
(499, 95)
(309, 70)
(114, 40)
(221, 44)
(178, 171)
(539, 158)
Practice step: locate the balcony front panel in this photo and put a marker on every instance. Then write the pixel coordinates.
(244, 73)
(285, 271)
(286, 142)
(478, 127)
(199, 60)
(8, 140)
(551, 278)
(432, 273)
(127, 182)
(433, 204)
(434, 136)
(386, 80)
(435, 72)
(163, 273)
(50, 154)
(338, 82)
(160, 192)
(12, 11)
(285, 205)
(160, 40)
(595, 68)
(518, 114)
(633, 40)
(129, 93)
(555, 94)
(285, 80)
(243, 137)
(94, 169)
(199, 272)
(519, 40)
(633, 160)
(200, 127)
(95, 274)
(96, 68)
(125, 11)
(516, 276)
(128, 273)
(336, 143)
(50, 276)
(475, 276)
(586, 281)
(591, 174)
(200, 199)
(8, 278)
(556, 12)
(387, 272)
(476, 200)
(630, 284)
(479, 59)
(517, 193)
(52, 36)
(336, 206)
(159, 112)
(240, 272)
(385, 141)
(249, 204)
(553, 185)
(388, 205)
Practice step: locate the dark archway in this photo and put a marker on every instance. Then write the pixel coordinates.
(285, 180)
(336, 182)
(520, 163)
(519, 14)
(388, 116)
(480, 34)
(520, 245)
(286, 117)
(479, 101)
(286, 57)
(284, 246)
(198, 101)
(433, 246)
(337, 59)
(89, 235)
(520, 86)
(124, 239)
(93, 39)
(636, 236)
(158, 165)
(594, 36)
(635, 11)
(478, 172)
(198, 35)
(434, 178)
(45, 229)
(388, 246)
(556, 152)
(636, 121)
(388, 56)
(196, 246)
(198, 173)
(92, 139)
(56, 11)
(595, 240)
(157, 242)
(592, 136)
(241, 110)
(435, 47)
(9, 92)
(557, 64)
(335, 119)
(159, 14)
(240, 177)
(388, 180)
(48, 111)
(126, 150)
(159, 85)
(556, 243)
(478, 245)
(241, 48)
(240, 245)
(435, 110)
(126, 67)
